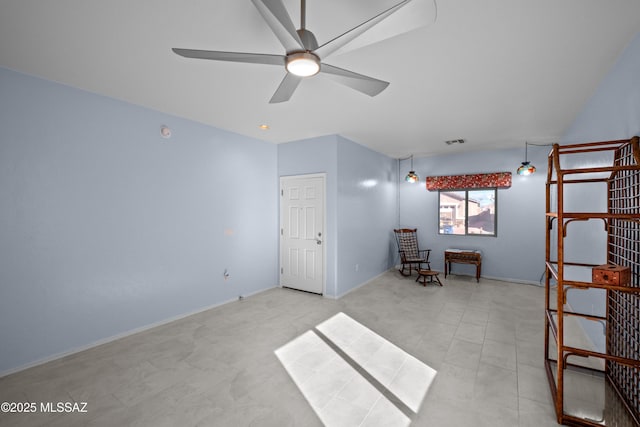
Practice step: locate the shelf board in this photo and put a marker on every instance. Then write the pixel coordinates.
(585, 285)
(612, 168)
(593, 215)
(569, 350)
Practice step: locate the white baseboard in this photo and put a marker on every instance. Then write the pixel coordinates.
(121, 335)
(506, 279)
(360, 285)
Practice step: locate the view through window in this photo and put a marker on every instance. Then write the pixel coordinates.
(468, 212)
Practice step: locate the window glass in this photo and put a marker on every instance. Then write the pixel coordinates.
(452, 212)
(468, 212)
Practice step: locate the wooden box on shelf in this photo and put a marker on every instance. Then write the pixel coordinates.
(610, 274)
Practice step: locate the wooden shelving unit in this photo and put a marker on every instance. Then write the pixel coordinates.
(590, 385)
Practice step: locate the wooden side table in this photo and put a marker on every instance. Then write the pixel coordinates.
(462, 256)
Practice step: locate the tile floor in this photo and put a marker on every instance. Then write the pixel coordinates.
(476, 350)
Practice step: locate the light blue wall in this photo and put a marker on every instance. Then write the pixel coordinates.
(106, 227)
(359, 217)
(310, 156)
(367, 214)
(613, 112)
(517, 253)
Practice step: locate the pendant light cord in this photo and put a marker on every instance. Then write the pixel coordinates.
(526, 145)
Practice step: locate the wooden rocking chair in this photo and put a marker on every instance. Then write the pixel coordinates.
(410, 254)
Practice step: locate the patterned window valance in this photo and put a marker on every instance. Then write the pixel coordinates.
(462, 182)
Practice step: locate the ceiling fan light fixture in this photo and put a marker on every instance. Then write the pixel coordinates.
(303, 64)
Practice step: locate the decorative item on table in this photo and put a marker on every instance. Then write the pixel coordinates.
(611, 274)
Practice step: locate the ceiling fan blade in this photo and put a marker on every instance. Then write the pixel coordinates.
(286, 88)
(359, 82)
(277, 17)
(254, 58)
(336, 43)
(417, 14)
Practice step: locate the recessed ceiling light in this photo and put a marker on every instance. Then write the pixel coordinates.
(264, 127)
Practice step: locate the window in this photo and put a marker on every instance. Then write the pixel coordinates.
(468, 212)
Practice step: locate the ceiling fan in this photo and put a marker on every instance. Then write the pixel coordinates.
(303, 56)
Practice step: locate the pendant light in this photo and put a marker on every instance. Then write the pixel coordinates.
(526, 168)
(412, 177)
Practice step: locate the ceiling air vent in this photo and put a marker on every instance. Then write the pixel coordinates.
(454, 141)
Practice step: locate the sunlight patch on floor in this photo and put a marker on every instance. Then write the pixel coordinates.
(352, 376)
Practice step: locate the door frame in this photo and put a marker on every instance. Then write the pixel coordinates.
(322, 175)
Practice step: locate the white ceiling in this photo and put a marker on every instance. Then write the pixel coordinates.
(494, 72)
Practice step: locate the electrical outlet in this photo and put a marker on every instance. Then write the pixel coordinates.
(357, 267)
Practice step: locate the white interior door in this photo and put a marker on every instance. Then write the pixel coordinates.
(302, 232)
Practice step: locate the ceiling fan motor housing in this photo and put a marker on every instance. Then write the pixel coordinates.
(308, 39)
